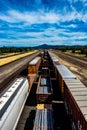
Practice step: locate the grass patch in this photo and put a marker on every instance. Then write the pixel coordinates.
(2, 55)
(77, 53)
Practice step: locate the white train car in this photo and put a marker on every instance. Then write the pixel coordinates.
(12, 103)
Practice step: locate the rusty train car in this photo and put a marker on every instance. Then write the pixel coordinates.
(44, 89)
(34, 65)
(33, 70)
(74, 94)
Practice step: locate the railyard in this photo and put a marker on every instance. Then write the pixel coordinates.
(47, 93)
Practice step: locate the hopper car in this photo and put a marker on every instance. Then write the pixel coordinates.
(43, 118)
(12, 102)
(44, 89)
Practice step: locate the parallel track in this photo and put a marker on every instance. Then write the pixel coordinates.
(73, 59)
(12, 70)
(78, 57)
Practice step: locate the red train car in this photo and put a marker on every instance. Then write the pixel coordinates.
(75, 96)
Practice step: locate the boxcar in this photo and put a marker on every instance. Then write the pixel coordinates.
(54, 60)
(33, 70)
(63, 73)
(34, 65)
(75, 96)
(31, 79)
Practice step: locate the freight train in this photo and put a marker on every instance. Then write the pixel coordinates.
(74, 94)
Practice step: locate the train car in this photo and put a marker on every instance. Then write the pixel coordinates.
(34, 65)
(45, 52)
(44, 117)
(44, 89)
(54, 61)
(41, 54)
(45, 71)
(12, 103)
(63, 73)
(45, 63)
(33, 70)
(45, 81)
(75, 96)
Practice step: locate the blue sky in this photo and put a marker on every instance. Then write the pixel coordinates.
(36, 22)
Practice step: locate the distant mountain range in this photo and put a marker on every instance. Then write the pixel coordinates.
(45, 46)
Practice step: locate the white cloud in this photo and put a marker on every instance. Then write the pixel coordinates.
(6, 18)
(41, 17)
(31, 18)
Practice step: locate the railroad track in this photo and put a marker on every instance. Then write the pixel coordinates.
(10, 71)
(78, 57)
(73, 59)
